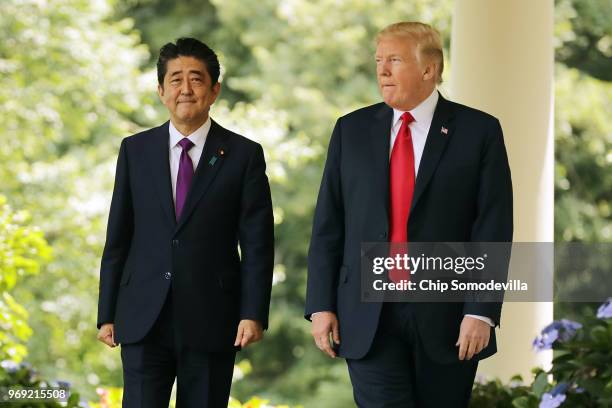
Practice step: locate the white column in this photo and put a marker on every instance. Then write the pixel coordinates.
(502, 62)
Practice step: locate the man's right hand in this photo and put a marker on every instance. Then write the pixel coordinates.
(325, 324)
(106, 334)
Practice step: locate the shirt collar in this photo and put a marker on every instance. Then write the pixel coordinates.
(198, 137)
(423, 112)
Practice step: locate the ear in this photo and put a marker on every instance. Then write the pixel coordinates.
(216, 90)
(160, 91)
(430, 71)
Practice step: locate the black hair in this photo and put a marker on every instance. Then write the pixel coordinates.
(188, 47)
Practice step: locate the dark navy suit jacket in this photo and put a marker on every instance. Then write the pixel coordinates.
(148, 253)
(463, 193)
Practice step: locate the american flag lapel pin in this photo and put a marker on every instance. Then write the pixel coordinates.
(444, 130)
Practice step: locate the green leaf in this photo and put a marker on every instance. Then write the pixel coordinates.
(521, 402)
(600, 335)
(540, 384)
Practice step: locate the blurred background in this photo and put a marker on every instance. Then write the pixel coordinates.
(77, 76)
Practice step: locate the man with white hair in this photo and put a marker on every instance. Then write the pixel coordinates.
(415, 168)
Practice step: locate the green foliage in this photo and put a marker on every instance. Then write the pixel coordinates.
(584, 36)
(583, 131)
(493, 393)
(582, 365)
(76, 78)
(583, 184)
(22, 250)
(22, 376)
(70, 89)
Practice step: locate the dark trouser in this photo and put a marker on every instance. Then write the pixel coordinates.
(151, 365)
(398, 373)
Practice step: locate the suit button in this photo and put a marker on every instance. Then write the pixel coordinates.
(383, 235)
(175, 243)
(167, 275)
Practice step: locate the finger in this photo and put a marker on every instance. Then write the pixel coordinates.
(336, 332)
(481, 346)
(246, 338)
(112, 333)
(471, 349)
(103, 337)
(108, 341)
(239, 335)
(326, 347)
(462, 349)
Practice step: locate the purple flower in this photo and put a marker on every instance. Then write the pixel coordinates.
(9, 366)
(605, 310)
(559, 389)
(546, 340)
(562, 330)
(551, 401)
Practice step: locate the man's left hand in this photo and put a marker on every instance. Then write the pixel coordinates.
(473, 337)
(249, 331)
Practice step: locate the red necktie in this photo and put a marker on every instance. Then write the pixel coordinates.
(401, 180)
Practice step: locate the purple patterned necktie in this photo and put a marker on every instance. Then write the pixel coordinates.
(184, 177)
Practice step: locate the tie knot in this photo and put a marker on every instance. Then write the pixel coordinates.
(407, 118)
(186, 144)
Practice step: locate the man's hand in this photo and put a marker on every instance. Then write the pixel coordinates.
(106, 334)
(249, 331)
(324, 324)
(473, 337)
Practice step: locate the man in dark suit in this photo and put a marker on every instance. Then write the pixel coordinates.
(174, 290)
(416, 168)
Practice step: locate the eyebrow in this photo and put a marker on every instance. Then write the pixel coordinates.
(193, 71)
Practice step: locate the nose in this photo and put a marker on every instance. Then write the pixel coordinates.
(382, 69)
(186, 88)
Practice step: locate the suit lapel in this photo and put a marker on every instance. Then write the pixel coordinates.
(160, 168)
(439, 133)
(380, 144)
(214, 154)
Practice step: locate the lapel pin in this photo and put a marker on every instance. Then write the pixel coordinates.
(213, 160)
(444, 130)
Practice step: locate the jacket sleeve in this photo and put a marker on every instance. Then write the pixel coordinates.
(118, 238)
(327, 240)
(256, 238)
(493, 221)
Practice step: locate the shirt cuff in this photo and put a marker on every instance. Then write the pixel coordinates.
(483, 318)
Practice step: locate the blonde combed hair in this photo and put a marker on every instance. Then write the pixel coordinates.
(426, 38)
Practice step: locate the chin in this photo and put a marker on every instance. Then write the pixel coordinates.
(389, 101)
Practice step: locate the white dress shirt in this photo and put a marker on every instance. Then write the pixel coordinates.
(419, 128)
(198, 138)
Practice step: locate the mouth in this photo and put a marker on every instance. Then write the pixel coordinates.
(186, 102)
